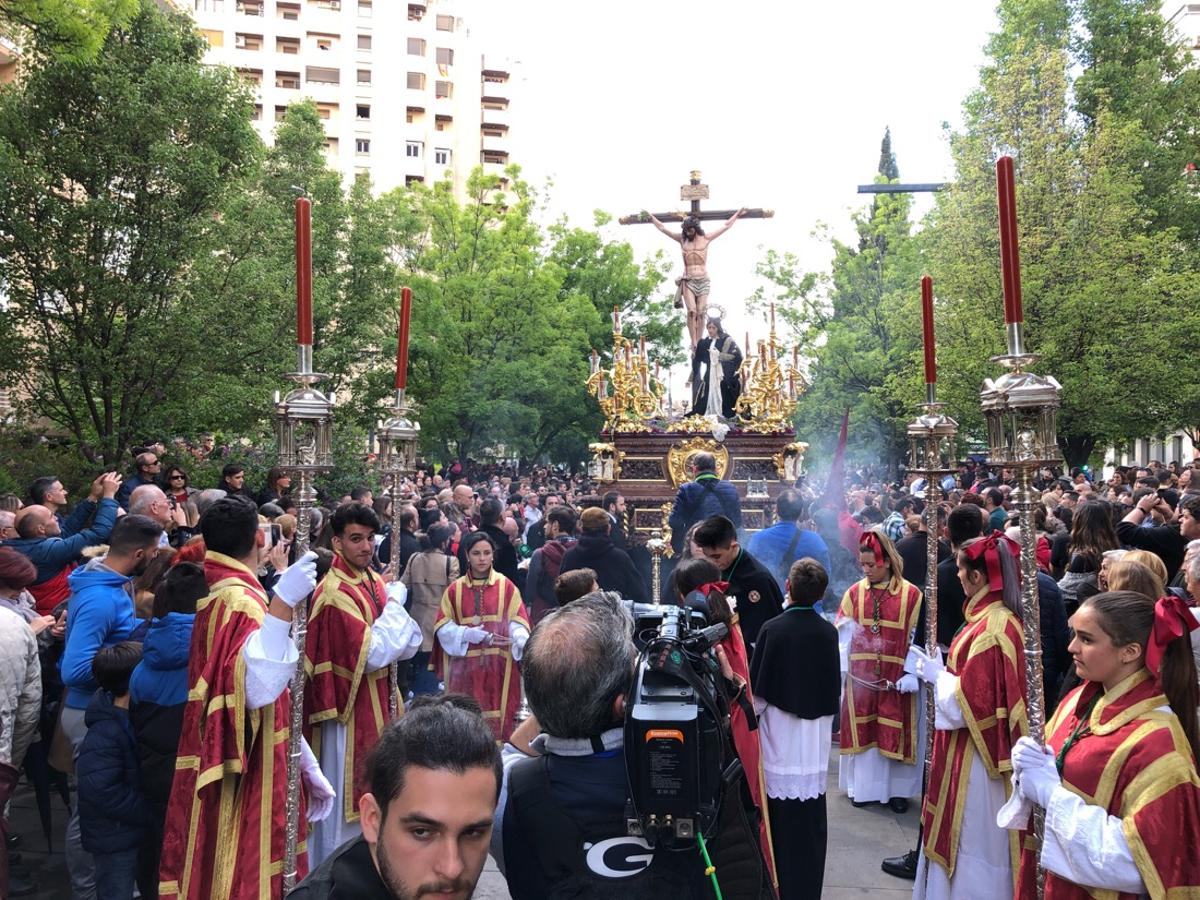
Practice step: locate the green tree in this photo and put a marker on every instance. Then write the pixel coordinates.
(498, 350)
(855, 325)
(66, 29)
(112, 175)
(1100, 280)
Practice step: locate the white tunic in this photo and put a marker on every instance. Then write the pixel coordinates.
(795, 752)
(393, 638)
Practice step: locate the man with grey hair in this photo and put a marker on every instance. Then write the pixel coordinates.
(560, 825)
(207, 498)
(8, 522)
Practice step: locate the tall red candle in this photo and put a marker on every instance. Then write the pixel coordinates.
(927, 329)
(402, 343)
(1010, 259)
(304, 317)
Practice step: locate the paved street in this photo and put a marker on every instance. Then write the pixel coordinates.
(858, 840)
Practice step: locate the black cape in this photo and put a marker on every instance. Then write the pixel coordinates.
(795, 666)
(758, 595)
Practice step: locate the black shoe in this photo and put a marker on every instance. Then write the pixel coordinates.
(898, 805)
(20, 887)
(902, 866)
(859, 804)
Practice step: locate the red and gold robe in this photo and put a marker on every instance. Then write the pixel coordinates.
(345, 606)
(875, 717)
(224, 832)
(1134, 761)
(746, 742)
(988, 656)
(485, 673)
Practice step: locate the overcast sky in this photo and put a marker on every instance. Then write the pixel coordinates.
(779, 104)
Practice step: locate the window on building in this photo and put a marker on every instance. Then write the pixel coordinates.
(209, 5)
(280, 113)
(445, 56)
(362, 111)
(288, 11)
(441, 156)
(364, 8)
(247, 41)
(320, 75)
(287, 45)
(334, 5)
(364, 76)
(257, 116)
(488, 130)
(445, 23)
(326, 110)
(250, 7)
(416, 81)
(495, 156)
(416, 47)
(413, 149)
(324, 43)
(416, 12)
(331, 145)
(364, 42)
(413, 114)
(443, 123)
(213, 37)
(362, 145)
(253, 76)
(288, 80)
(494, 103)
(443, 90)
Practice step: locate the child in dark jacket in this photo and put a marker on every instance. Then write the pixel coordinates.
(158, 693)
(114, 817)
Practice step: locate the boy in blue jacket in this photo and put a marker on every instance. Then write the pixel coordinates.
(114, 817)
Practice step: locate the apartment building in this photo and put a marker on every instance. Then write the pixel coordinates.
(404, 91)
(1186, 19)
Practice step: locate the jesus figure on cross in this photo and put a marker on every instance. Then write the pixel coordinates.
(694, 286)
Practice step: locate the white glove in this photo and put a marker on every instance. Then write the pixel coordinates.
(397, 592)
(477, 635)
(928, 666)
(1037, 772)
(518, 634)
(320, 791)
(298, 580)
(908, 684)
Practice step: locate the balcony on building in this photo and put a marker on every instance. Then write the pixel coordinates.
(495, 76)
(251, 76)
(289, 81)
(251, 7)
(289, 12)
(416, 10)
(494, 141)
(322, 13)
(288, 46)
(244, 41)
(495, 118)
(443, 122)
(493, 162)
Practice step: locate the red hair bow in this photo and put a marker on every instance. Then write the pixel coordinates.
(989, 549)
(1172, 620)
(870, 541)
(710, 586)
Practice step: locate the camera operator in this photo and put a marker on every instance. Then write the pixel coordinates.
(561, 826)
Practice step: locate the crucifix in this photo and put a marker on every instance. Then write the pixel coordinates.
(692, 289)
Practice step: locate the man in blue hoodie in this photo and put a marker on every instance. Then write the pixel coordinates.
(100, 614)
(708, 495)
(40, 538)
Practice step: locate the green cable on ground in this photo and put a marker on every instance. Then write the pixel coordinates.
(709, 869)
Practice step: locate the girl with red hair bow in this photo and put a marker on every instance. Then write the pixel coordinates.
(879, 723)
(1117, 777)
(979, 715)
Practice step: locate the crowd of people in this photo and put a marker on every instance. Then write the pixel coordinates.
(147, 659)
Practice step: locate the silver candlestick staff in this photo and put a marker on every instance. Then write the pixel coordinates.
(398, 438)
(1021, 410)
(304, 426)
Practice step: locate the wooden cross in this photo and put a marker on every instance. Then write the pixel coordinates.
(694, 192)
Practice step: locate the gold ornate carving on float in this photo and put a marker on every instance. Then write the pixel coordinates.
(627, 393)
(789, 462)
(680, 454)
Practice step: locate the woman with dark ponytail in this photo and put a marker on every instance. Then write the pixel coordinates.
(1118, 775)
